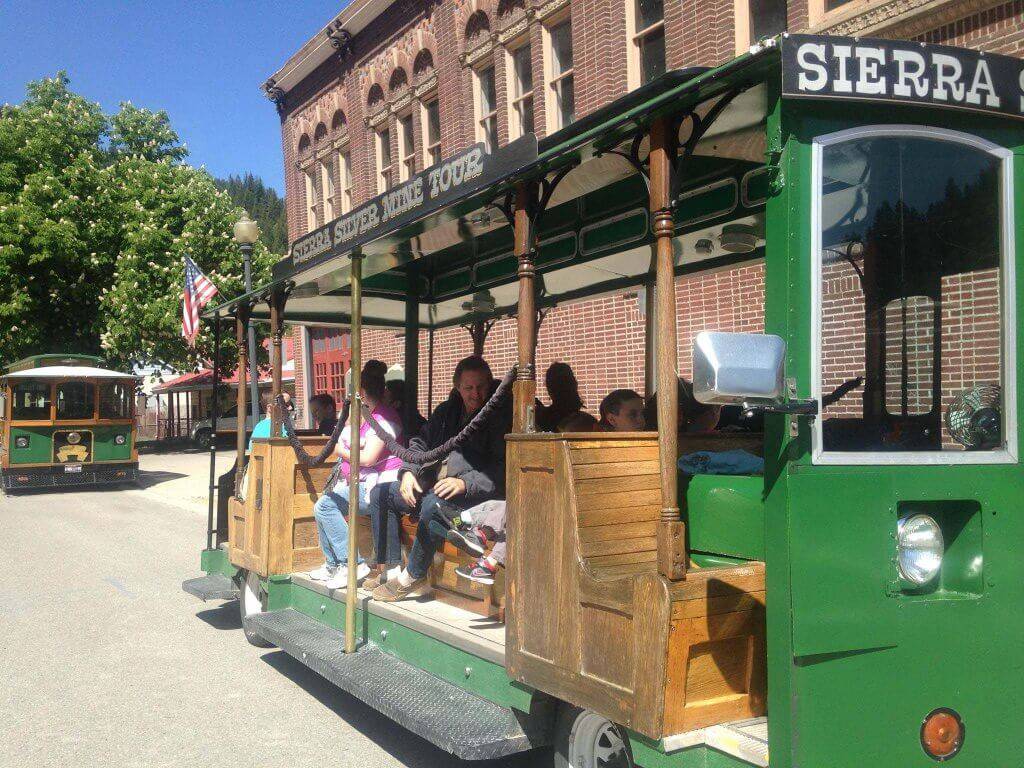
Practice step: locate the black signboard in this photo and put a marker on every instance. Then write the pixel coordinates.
(448, 181)
(902, 71)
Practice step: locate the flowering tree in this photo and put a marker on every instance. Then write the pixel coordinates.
(95, 216)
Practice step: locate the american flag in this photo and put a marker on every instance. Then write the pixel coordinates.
(198, 292)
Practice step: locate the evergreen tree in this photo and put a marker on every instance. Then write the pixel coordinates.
(264, 205)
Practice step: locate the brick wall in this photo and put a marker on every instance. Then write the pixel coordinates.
(602, 338)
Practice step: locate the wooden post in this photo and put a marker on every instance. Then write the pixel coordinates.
(650, 329)
(355, 419)
(672, 557)
(241, 417)
(276, 334)
(524, 389)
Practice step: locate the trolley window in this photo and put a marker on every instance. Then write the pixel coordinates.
(75, 400)
(116, 400)
(30, 400)
(911, 294)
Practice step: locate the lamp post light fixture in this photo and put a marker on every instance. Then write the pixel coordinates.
(247, 232)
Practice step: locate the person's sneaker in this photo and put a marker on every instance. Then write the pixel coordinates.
(340, 580)
(467, 539)
(323, 573)
(382, 576)
(482, 572)
(393, 591)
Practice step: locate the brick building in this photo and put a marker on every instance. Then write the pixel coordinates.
(385, 89)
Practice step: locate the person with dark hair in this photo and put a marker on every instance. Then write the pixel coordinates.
(581, 421)
(377, 466)
(468, 475)
(622, 410)
(693, 417)
(324, 413)
(564, 391)
(396, 395)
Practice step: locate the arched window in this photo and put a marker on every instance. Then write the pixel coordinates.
(304, 144)
(509, 7)
(319, 134)
(477, 27)
(398, 81)
(423, 64)
(375, 97)
(338, 123)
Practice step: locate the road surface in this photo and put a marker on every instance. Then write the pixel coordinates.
(104, 661)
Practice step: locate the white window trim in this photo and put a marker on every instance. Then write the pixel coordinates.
(634, 43)
(389, 169)
(405, 172)
(307, 174)
(327, 189)
(515, 130)
(479, 118)
(817, 15)
(1007, 455)
(428, 159)
(551, 117)
(345, 194)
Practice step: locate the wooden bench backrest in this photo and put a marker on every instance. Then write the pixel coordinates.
(617, 492)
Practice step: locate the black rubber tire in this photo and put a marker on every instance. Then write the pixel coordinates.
(251, 636)
(204, 438)
(565, 723)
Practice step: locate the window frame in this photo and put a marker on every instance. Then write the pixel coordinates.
(385, 181)
(327, 188)
(554, 119)
(429, 147)
(635, 39)
(345, 193)
(406, 162)
(311, 206)
(480, 120)
(516, 97)
(742, 27)
(817, 16)
(1008, 364)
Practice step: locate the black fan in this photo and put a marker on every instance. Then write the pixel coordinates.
(974, 418)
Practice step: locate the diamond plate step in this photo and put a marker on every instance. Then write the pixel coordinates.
(447, 716)
(214, 586)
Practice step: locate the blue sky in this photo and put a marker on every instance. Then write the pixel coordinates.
(202, 61)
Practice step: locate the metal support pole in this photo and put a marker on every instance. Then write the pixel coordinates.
(672, 556)
(254, 379)
(241, 324)
(412, 359)
(213, 427)
(355, 419)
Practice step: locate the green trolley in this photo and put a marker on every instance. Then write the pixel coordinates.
(66, 421)
(859, 602)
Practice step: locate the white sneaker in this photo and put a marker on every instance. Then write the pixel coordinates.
(323, 573)
(340, 579)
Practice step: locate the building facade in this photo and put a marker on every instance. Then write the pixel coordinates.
(386, 89)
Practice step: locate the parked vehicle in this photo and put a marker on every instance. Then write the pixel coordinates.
(227, 424)
(64, 420)
(857, 603)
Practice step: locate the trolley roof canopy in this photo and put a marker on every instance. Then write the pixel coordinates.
(68, 372)
(444, 238)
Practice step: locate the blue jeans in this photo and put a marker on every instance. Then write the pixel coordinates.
(430, 531)
(330, 512)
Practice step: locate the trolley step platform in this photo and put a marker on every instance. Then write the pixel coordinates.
(447, 716)
(214, 586)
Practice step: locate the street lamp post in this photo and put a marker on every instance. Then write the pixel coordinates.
(247, 232)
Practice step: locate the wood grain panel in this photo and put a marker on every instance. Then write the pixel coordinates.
(606, 485)
(617, 531)
(604, 654)
(615, 469)
(617, 500)
(632, 557)
(630, 453)
(636, 514)
(304, 534)
(617, 546)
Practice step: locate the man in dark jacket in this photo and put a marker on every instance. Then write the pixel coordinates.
(468, 475)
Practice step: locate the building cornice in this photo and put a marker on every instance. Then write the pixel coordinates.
(899, 18)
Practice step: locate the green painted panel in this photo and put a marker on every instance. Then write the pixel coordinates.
(710, 202)
(649, 754)
(556, 249)
(453, 282)
(40, 445)
(105, 447)
(726, 515)
(496, 269)
(621, 230)
(216, 561)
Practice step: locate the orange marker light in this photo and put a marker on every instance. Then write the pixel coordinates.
(942, 734)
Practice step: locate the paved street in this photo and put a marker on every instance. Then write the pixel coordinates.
(106, 662)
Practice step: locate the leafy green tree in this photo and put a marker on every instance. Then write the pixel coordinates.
(96, 214)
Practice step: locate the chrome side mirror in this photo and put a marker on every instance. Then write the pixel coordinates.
(734, 368)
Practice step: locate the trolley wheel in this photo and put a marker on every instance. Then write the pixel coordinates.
(585, 739)
(204, 437)
(252, 600)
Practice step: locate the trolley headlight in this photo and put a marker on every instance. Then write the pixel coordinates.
(119, 439)
(21, 442)
(919, 548)
(74, 438)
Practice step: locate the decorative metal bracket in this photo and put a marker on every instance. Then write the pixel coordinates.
(275, 94)
(341, 40)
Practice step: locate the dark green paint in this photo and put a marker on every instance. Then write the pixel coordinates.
(725, 515)
(40, 445)
(216, 561)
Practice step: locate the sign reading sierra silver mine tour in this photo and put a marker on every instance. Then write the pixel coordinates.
(428, 191)
(901, 71)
